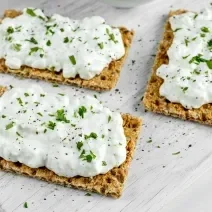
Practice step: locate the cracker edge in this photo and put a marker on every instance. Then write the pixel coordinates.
(154, 102)
(109, 184)
(107, 79)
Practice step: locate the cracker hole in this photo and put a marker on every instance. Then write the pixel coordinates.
(108, 180)
(103, 77)
(34, 172)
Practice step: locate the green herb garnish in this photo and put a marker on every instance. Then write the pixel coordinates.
(10, 30)
(111, 36)
(40, 114)
(60, 116)
(32, 40)
(177, 29)
(186, 56)
(92, 135)
(51, 125)
(101, 45)
(30, 12)
(26, 94)
(3, 116)
(18, 134)
(34, 49)
(20, 101)
(48, 43)
(82, 110)
(104, 163)
(175, 153)
(205, 29)
(66, 40)
(10, 125)
(79, 145)
(184, 89)
(109, 118)
(72, 59)
(16, 47)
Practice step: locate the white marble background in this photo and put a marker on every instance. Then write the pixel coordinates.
(158, 180)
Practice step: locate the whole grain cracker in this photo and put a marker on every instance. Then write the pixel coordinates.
(105, 81)
(159, 104)
(109, 184)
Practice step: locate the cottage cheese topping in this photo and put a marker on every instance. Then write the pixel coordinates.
(58, 43)
(188, 76)
(70, 136)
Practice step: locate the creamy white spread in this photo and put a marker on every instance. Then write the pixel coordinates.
(188, 76)
(75, 47)
(69, 135)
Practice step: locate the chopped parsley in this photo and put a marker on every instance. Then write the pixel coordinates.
(79, 145)
(88, 157)
(186, 56)
(18, 134)
(177, 29)
(20, 101)
(16, 47)
(176, 153)
(210, 44)
(34, 49)
(205, 29)
(111, 36)
(186, 42)
(198, 59)
(87, 194)
(60, 116)
(82, 110)
(72, 59)
(42, 95)
(101, 45)
(195, 16)
(10, 30)
(149, 141)
(109, 119)
(32, 40)
(202, 35)
(92, 135)
(25, 205)
(62, 30)
(51, 125)
(61, 94)
(26, 94)
(30, 12)
(55, 85)
(3, 116)
(66, 40)
(184, 89)
(104, 163)
(40, 114)
(48, 43)
(10, 125)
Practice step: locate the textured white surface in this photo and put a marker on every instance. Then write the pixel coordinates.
(158, 180)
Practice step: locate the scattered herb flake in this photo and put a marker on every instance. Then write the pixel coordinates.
(32, 40)
(9, 126)
(176, 153)
(82, 110)
(72, 59)
(92, 135)
(30, 12)
(51, 125)
(104, 163)
(79, 145)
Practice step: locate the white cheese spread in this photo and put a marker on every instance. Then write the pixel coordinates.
(188, 76)
(59, 43)
(69, 135)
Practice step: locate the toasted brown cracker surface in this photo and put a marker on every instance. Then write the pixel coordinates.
(105, 81)
(109, 184)
(156, 103)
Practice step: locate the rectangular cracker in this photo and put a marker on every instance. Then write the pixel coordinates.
(109, 184)
(105, 81)
(156, 103)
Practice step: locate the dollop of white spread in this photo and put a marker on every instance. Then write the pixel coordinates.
(188, 76)
(75, 47)
(69, 135)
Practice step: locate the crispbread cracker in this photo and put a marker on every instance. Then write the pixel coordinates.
(105, 81)
(156, 103)
(109, 184)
